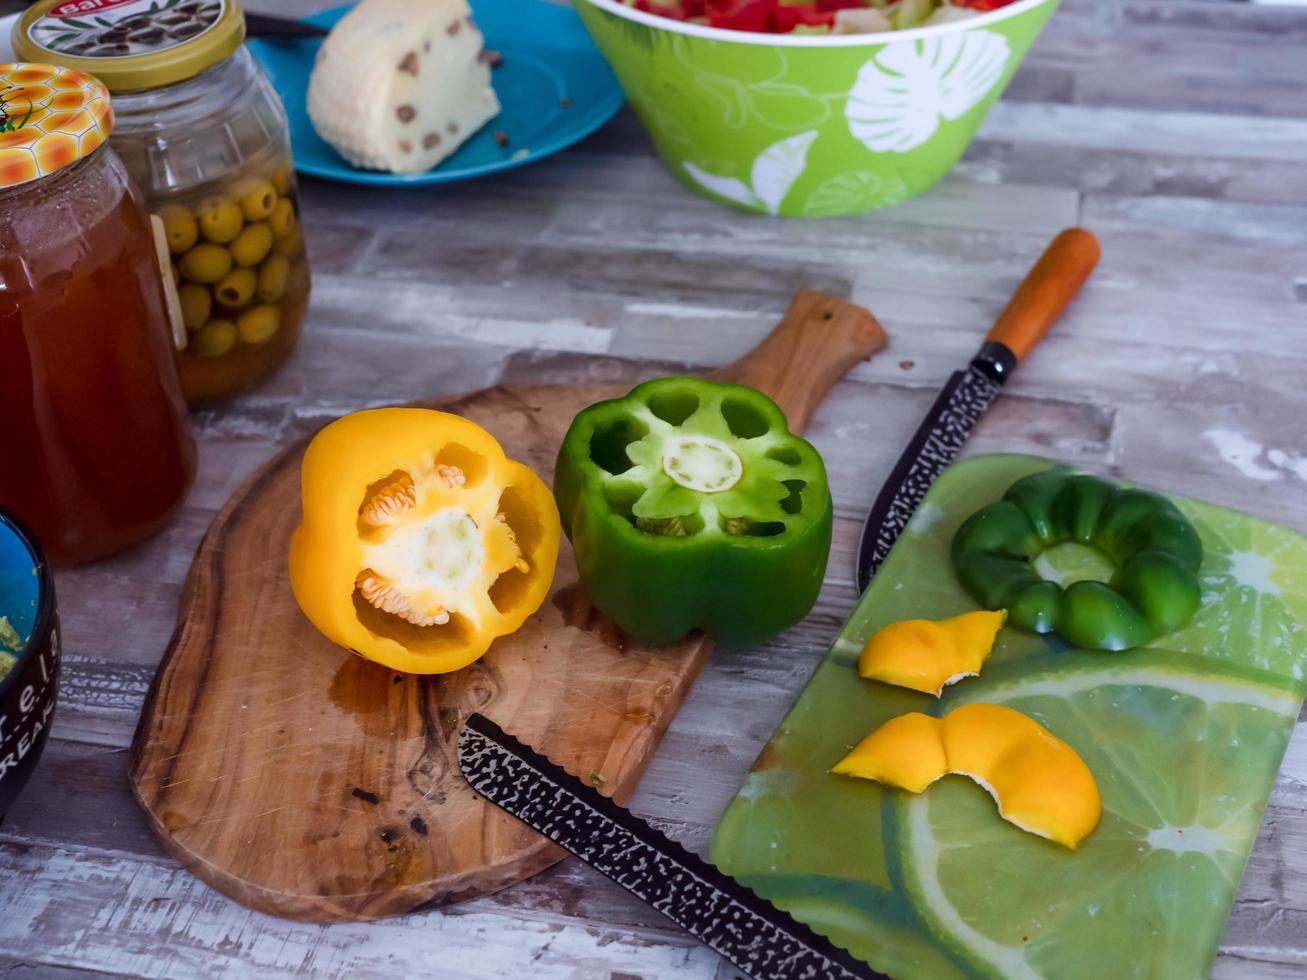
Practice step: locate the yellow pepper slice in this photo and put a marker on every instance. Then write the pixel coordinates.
(928, 655)
(421, 541)
(1038, 781)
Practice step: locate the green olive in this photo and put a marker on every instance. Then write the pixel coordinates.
(281, 181)
(252, 245)
(179, 228)
(175, 272)
(197, 304)
(206, 262)
(257, 326)
(273, 275)
(257, 199)
(282, 219)
(220, 220)
(291, 244)
(214, 339)
(236, 288)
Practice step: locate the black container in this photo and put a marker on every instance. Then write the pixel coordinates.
(30, 688)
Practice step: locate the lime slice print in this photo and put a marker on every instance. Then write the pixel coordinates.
(1184, 762)
(1254, 579)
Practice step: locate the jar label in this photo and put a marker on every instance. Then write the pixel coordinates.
(123, 28)
(170, 297)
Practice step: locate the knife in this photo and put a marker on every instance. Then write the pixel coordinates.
(1034, 307)
(280, 28)
(758, 938)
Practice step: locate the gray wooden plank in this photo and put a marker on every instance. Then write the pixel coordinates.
(17, 969)
(1181, 133)
(100, 911)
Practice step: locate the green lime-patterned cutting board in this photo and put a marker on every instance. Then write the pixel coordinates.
(1184, 738)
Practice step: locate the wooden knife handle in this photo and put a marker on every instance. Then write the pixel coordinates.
(817, 341)
(1046, 290)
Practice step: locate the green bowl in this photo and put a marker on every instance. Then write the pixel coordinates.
(812, 125)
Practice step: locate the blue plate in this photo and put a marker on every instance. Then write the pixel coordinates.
(554, 86)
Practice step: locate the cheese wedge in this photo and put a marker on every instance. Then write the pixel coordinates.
(400, 84)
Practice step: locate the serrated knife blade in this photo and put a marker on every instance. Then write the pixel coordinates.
(758, 938)
(937, 442)
(1033, 309)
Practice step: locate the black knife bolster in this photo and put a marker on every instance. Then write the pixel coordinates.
(995, 360)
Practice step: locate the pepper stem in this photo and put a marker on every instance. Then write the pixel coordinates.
(702, 463)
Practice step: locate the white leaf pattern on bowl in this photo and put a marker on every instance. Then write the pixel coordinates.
(773, 173)
(901, 94)
(778, 167)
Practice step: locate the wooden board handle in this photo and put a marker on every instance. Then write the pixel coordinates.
(1046, 290)
(817, 341)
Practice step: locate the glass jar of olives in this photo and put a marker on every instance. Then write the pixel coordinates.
(205, 137)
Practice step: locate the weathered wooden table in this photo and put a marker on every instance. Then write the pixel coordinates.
(1175, 129)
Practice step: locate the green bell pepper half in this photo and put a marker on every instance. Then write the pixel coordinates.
(691, 506)
(1156, 551)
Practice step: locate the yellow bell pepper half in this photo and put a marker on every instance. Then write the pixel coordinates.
(927, 655)
(1038, 781)
(421, 542)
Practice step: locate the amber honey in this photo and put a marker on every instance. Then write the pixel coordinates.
(95, 450)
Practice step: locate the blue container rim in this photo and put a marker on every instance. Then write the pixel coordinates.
(40, 635)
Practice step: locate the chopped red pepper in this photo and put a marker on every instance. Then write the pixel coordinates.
(787, 16)
(742, 15)
(772, 16)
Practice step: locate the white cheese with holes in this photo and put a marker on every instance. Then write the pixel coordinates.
(400, 84)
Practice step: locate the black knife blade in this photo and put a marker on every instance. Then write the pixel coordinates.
(1036, 305)
(937, 442)
(758, 938)
(280, 28)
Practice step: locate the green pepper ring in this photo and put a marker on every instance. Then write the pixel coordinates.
(1156, 550)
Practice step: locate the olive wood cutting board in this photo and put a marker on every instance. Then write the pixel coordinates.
(304, 781)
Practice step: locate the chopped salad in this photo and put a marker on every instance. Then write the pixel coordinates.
(816, 16)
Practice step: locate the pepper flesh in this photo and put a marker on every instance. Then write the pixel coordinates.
(927, 655)
(421, 541)
(690, 505)
(1038, 781)
(1156, 550)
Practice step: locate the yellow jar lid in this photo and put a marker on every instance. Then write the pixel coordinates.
(131, 45)
(49, 117)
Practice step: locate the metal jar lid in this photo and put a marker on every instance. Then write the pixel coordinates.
(131, 45)
(50, 117)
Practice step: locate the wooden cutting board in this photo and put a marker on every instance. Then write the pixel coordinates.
(306, 782)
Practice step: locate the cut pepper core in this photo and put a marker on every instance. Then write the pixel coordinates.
(430, 556)
(702, 463)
